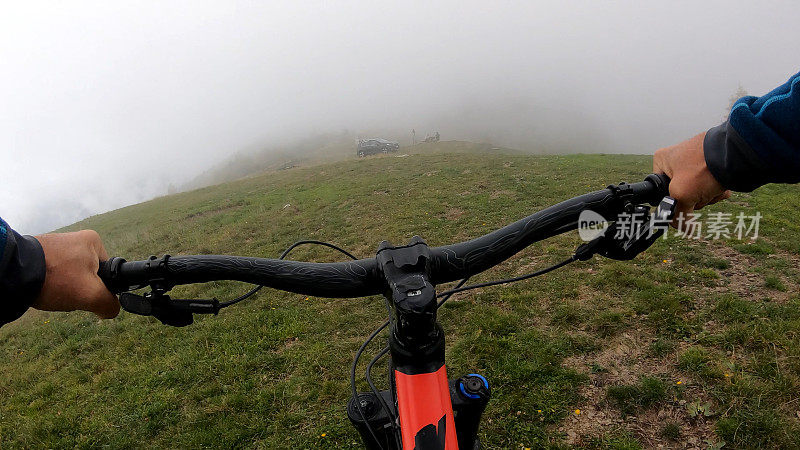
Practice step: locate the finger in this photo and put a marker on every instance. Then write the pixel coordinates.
(101, 253)
(657, 166)
(704, 202)
(720, 197)
(660, 165)
(100, 249)
(682, 213)
(103, 303)
(97, 244)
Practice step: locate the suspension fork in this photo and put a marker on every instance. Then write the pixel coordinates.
(469, 396)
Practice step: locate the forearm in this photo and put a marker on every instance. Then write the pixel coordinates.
(760, 142)
(22, 273)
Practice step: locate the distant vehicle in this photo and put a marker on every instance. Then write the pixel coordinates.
(367, 147)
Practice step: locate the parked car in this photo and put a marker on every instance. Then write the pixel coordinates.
(367, 147)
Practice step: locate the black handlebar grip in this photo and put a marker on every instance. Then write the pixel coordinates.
(653, 189)
(661, 181)
(109, 273)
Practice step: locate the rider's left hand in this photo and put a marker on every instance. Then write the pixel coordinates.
(71, 282)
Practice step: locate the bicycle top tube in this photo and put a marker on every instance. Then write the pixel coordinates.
(362, 277)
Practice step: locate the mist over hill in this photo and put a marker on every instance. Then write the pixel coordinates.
(324, 148)
(111, 103)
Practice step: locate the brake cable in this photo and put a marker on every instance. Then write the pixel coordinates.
(360, 350)
(447, 294)
(353, 379)
(284, 255)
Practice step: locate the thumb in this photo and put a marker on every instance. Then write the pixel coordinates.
(102, 302)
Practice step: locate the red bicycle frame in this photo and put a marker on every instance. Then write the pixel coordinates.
(425, 410)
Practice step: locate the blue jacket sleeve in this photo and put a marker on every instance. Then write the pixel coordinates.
(760, 142)
(22, 272)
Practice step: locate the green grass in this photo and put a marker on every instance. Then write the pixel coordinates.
(647, 392)
(272, 372)
(613, 441)
(671, 431)
(699, 362)
(774, 282)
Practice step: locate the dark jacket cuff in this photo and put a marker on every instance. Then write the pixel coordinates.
(22, 272)
(732, 161)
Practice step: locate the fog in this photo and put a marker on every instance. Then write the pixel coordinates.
(104, 104)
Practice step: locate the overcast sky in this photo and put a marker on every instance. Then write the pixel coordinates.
(103, 104)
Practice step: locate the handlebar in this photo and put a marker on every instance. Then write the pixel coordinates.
(362, 277)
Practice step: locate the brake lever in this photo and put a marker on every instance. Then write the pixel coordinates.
(170, 311)
(643, 233)
(644, 230)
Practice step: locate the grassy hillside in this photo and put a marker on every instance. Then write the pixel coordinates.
(326, 148)
(693, 343)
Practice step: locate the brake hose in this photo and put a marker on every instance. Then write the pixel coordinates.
(284, 255)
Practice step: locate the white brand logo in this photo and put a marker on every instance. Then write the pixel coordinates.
(591, 225)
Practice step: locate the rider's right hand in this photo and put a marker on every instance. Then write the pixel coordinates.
(71, 281)
(692, 185)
